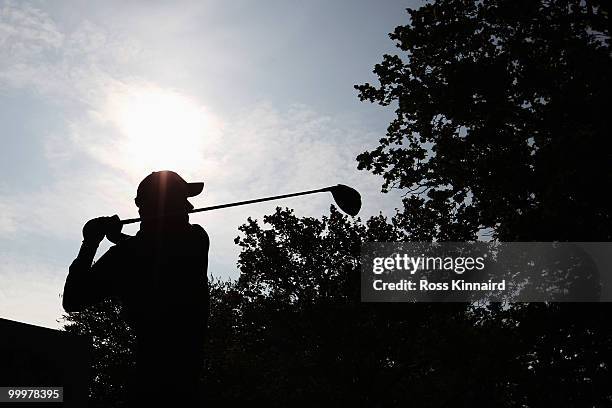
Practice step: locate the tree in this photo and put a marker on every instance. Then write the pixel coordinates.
(501, 120)
(501, 128)
(309, 340)
(112, 347)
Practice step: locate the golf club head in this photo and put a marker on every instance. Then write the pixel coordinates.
(347, 198)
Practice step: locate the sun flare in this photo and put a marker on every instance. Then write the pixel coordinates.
(162, 129)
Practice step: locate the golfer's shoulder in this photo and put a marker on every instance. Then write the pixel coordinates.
(118, 253)
(127, 245)
(200, 233)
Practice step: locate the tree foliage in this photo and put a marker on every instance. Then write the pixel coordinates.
(112, 347)
(501, 119)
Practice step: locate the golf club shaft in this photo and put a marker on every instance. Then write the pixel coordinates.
(257, 200)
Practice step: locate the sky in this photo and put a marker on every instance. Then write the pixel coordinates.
(253, 98)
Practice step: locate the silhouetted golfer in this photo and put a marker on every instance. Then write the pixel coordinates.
(160, 277)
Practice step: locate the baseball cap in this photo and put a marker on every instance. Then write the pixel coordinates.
(165, 185)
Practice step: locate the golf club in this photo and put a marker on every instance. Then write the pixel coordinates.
(347, 199)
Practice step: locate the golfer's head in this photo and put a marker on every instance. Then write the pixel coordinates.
(165, 193)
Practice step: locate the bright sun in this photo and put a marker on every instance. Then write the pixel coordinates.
(162, 129)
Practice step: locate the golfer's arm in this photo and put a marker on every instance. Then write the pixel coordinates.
(80, 289)
(115, 239)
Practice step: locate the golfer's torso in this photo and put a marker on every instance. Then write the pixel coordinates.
(164, 278)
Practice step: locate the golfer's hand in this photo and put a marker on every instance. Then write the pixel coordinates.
(95, 229)
(113, 231)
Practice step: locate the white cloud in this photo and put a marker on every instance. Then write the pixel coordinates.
(68, 66)
(7, 218)
(25, 30)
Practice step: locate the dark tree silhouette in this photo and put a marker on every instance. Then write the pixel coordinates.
(501, 127)
(501, 120)
(113, 345)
